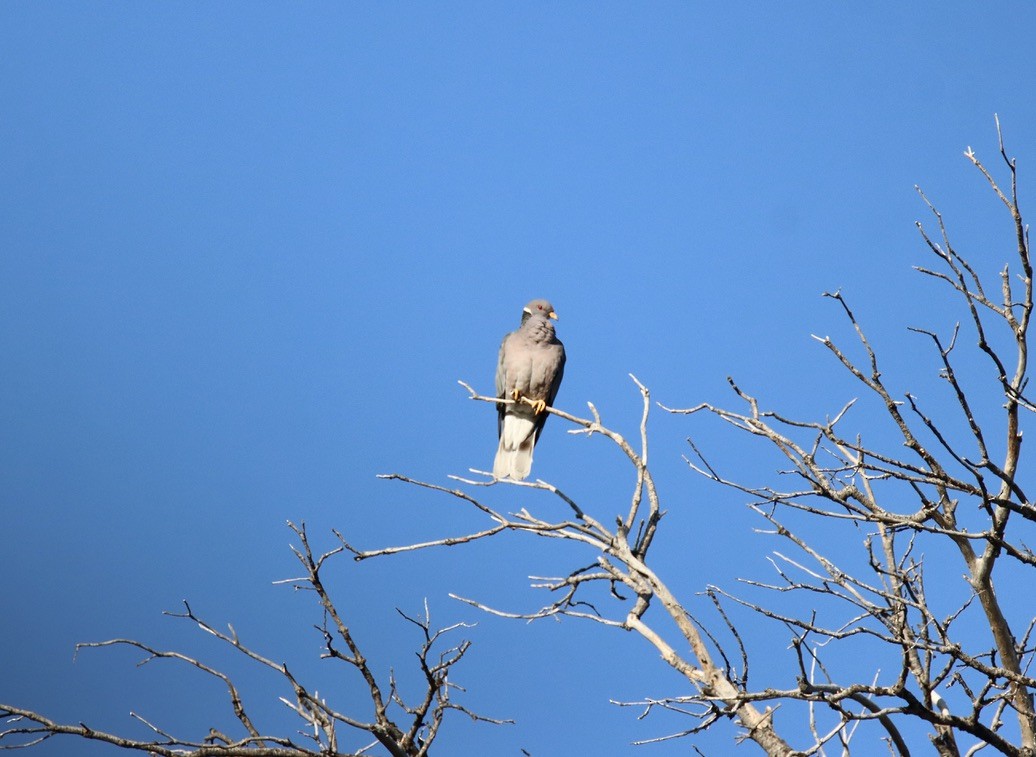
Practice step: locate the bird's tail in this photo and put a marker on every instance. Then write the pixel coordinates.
(513, 463)
(514, 453)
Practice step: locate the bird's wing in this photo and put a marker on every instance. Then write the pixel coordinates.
(559, 373)
(501, 384)
(554, 369)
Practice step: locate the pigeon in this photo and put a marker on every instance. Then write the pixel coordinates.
(532, 362)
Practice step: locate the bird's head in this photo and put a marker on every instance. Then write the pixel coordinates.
(540, 308)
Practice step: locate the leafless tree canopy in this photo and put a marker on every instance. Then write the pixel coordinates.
(877, 656)
(401, 728)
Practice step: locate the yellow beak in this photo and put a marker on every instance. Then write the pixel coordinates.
(553, 315)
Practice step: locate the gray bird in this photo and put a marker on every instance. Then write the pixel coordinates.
(532, 362)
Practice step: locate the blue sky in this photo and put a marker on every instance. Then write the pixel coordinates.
(247, 250)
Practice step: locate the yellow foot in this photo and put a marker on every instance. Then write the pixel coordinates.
(516, 394)
(538, 406)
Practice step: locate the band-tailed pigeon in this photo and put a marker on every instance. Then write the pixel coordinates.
(532, 362)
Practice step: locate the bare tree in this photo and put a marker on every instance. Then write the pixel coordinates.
(932, 492)
(401, 728)
(875, 650)
(937, 491)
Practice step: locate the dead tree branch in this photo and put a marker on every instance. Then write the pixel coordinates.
(402, 729)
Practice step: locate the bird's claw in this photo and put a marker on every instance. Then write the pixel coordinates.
(538, 406)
